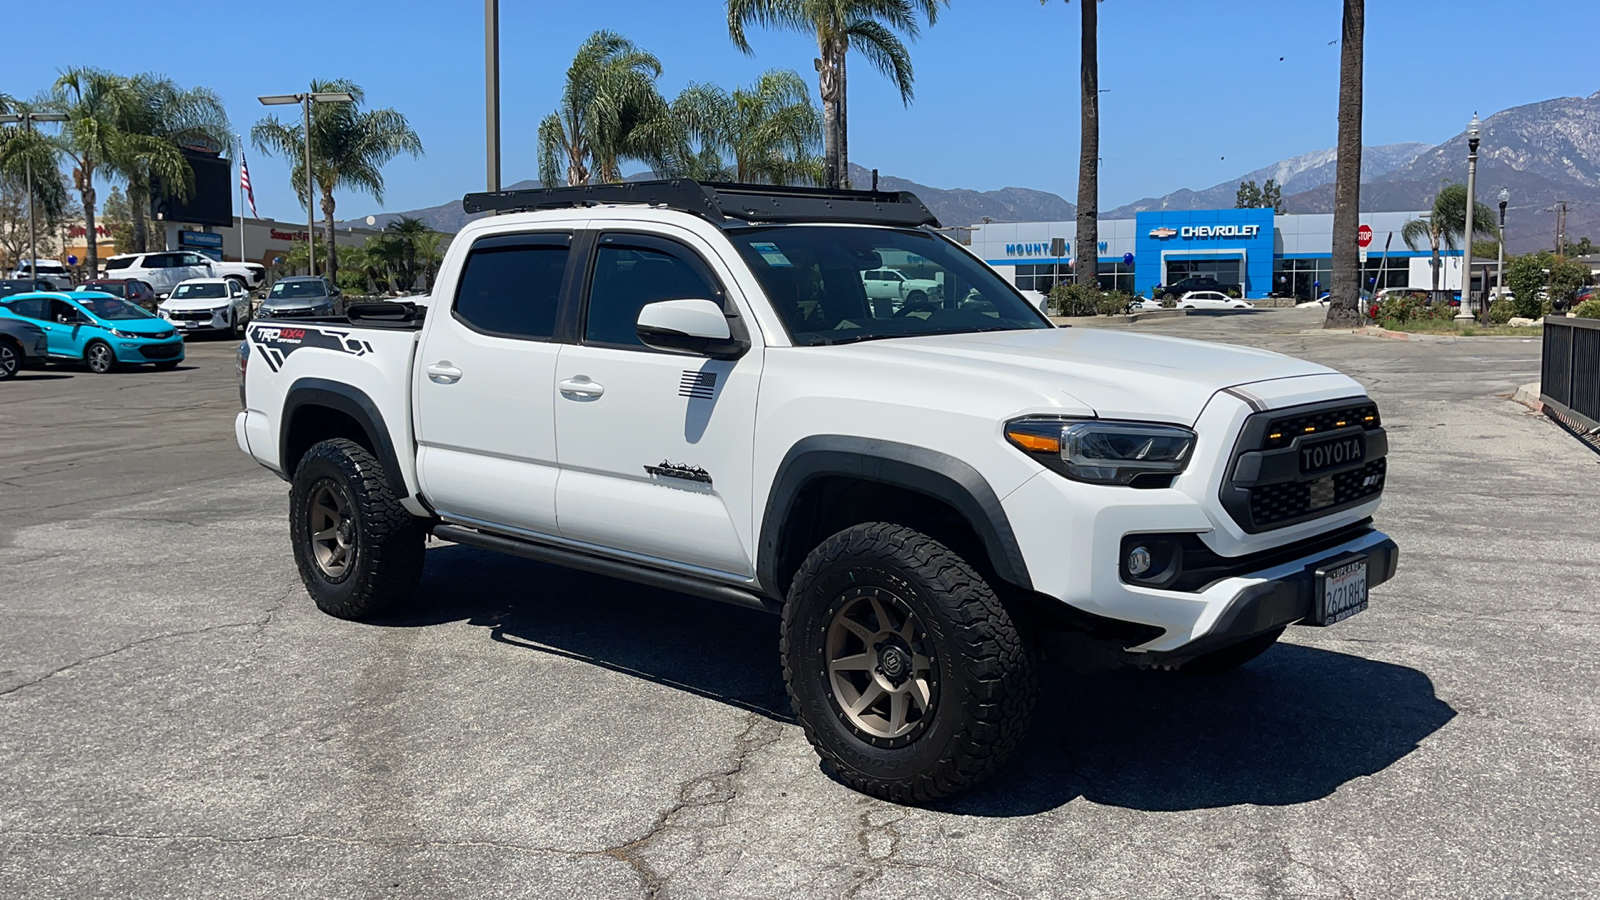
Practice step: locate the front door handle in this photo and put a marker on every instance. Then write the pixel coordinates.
(581, 386)
(442, 372)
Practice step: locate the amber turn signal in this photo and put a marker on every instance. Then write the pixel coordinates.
(1034, 443)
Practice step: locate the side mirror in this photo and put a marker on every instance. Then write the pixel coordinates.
(689, 326)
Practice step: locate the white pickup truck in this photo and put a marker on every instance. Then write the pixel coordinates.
(687, 386)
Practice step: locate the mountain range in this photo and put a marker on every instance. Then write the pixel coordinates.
(1542, 153)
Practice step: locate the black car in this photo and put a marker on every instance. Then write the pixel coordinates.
(9, 286)
(301, 295)
(22, 343)
(1177, 289)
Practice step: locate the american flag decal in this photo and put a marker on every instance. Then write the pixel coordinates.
(698, 385)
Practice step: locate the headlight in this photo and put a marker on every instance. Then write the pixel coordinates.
(162, 313)
(1100, 452)
(130, 335)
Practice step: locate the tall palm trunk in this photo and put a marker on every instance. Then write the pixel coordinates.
(843, 121)
(91, 253)
(330, 265)
(138, 203)
(1434, 243)
(1345, 300)
(830, 82)
(1088, 249)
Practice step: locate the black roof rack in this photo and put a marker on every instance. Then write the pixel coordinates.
(719, 202)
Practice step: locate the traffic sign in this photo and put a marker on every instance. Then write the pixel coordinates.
(1364, 236)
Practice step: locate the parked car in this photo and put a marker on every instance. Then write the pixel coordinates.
(299, 296)
(98, 330)
(163, 270)
(59, 277)
(1143, 303)
(1193, 283)
(207, 304)
(11, 286)
(693, 375)
(22, 344)
(900, 290)
(1212, 300)
(130, 289)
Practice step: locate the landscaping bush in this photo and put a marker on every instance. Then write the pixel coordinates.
(1501, 311)
(1588, 309)
(1526, 276)
(1412, 309)
(1114, 303)
(1565, 279)
(1071, 299)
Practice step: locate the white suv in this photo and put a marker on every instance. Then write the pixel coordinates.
(689, 386)
(163, 271)
(207, 304)
(44, 270)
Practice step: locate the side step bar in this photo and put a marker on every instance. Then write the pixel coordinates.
(585, 562)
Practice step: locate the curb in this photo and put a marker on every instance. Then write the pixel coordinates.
(1120, 319)
(1381, 332)
(1528, 395)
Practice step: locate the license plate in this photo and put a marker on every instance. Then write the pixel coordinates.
(1341, 592)
(184, 326)
(1334, 453)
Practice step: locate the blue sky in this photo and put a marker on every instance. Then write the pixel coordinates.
(1195, 92)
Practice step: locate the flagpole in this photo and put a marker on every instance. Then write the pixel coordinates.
(242, 257)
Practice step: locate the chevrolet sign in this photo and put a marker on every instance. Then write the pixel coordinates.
(1162, 232)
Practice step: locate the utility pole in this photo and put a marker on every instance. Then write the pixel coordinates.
(1560, 209)
(491, 82)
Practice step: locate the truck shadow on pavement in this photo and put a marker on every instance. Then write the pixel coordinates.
(1290, 727)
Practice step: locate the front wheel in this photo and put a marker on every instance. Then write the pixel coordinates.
(908, 675)
(358, 549)
(99, 357)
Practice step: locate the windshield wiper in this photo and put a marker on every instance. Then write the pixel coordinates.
(852, 339)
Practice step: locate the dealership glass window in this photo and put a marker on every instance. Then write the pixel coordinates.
(1116, 276)
(1304, 278)
(1041, 278)
(1225, 270)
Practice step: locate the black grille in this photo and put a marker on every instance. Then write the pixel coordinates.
(1274, 503)
(1280, 432)
(161, 351)
(191, 315)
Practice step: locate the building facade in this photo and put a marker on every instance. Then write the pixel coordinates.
(1259, 251)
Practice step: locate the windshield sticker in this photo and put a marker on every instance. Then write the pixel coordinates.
(771, 254)
(276, 342)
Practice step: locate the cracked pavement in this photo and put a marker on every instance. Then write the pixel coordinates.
(177, 719)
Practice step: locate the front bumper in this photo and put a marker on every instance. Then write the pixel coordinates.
(216, 321)
(138, 351)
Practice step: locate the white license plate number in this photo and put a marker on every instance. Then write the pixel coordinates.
(1341, 592)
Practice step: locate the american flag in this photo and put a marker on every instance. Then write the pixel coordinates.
(244, 183)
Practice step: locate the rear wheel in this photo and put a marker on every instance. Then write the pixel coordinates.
(99, 357)
(10, 359)
(908, 675)
(358, 550)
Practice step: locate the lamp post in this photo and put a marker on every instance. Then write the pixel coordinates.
(27, 120)
(1500, 264)
(305, 100)
(491, 81)
(1474, 132)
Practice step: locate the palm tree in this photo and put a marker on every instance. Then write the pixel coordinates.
(772, 131)
(406, 231)
(349, 147)
(1087, 268)
(193, 117)
(98, 106)
(1445, 224)
(23, 151)
(610, 111)
(866, 26)
(1344, 300)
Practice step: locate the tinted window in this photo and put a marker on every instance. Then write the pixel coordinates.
(29, 307)
(511, 284)
(632, 271)
(199, 291)
(61, 309)
(120, 263)
(298, 289)
(116, 290)
(190, 259)
(114, 308)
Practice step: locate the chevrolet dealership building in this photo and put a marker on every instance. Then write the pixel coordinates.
(1260, 251)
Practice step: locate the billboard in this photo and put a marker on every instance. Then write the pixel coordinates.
(211, 201)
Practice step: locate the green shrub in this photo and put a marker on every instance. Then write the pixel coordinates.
(1527, 276)
(1501, 311)
(1588, 309)
(1072, 299)
(1114, 303)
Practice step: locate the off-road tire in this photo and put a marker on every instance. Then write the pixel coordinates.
(100, 358)
(10, 359)
(1219, 662)
(984, 669)
(387, 541)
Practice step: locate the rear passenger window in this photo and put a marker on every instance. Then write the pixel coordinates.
(31, 308)
(630, 271)
(511, 285)
(119, 263)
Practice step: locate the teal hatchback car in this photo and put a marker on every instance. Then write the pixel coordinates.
(98, 330)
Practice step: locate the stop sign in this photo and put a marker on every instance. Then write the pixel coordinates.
(1364, 235)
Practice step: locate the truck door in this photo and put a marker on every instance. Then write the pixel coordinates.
(485, 383)
(655, 447)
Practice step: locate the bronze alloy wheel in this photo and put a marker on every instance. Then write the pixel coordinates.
(331, 530)
(882, 674)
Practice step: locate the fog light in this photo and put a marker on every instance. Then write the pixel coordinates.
(1139, 561)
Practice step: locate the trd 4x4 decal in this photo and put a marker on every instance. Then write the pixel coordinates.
(276, 342)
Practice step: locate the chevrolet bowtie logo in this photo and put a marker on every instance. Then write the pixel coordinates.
(1163, 232)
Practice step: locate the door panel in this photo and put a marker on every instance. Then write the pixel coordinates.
(485, 383)
(652, 443)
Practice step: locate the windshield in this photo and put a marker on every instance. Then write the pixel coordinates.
(199, 292)
(114, 308)
(835, 284)
(289, 290)
(117, 290)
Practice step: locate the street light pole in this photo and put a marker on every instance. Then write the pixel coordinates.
(27, 120)
(491, 80)
(1474, 132)
(1500, 263)
(305, 100)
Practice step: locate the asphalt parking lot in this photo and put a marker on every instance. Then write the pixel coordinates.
(177, 719)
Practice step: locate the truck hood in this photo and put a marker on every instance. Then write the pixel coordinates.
(1117, 374)
(191, 303)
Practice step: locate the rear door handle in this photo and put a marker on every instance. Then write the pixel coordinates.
(442, 372)
(581, 386)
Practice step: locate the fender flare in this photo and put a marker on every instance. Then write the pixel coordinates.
(354, 403)
(937, 475)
